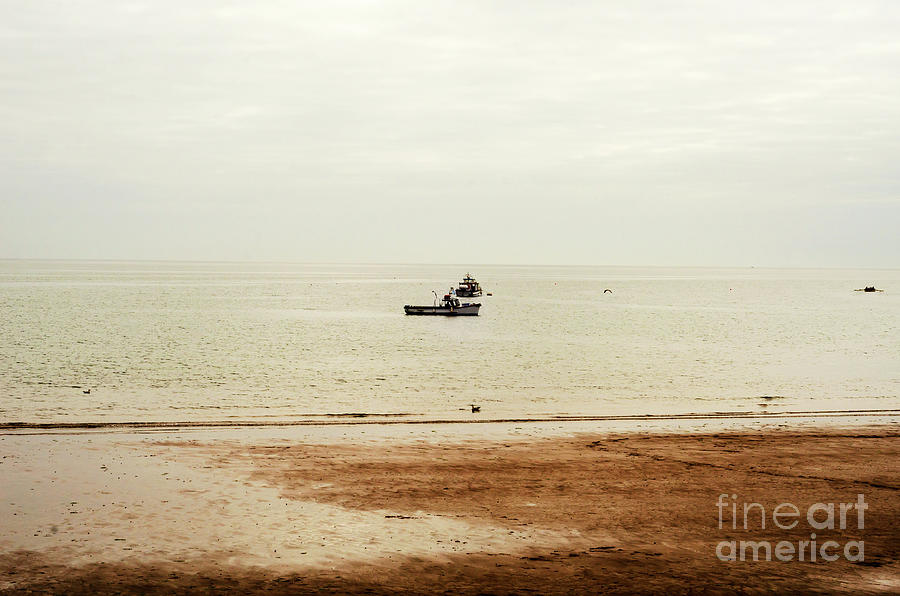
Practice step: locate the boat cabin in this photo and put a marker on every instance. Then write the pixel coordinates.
(468, 287)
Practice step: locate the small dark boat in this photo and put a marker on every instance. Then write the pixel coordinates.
(868, 289)
(448, 306)
(468, 287)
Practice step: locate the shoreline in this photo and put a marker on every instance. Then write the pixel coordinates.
(361, 418)
(554, 508)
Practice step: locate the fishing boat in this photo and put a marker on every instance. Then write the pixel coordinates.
(448, 306)
(468, 287)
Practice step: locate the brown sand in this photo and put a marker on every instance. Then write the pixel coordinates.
(601, 513)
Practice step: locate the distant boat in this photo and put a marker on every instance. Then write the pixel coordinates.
(468, 287)
(448, 307)
(868, 289)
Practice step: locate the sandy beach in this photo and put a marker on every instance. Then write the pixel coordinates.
(511, 509)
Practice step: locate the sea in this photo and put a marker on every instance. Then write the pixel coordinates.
(198, 342)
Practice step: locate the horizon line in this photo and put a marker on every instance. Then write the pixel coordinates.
(423, 263)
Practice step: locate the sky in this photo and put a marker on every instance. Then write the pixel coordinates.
(722, 133)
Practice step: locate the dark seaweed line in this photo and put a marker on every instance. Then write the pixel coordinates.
(356, 418)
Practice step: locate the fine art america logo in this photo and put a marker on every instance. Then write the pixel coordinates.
(787, 516)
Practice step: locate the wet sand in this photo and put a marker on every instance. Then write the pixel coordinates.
(436, 511)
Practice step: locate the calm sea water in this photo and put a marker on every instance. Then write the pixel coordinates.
(215, 341)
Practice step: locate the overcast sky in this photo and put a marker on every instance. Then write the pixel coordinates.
(672, 133)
